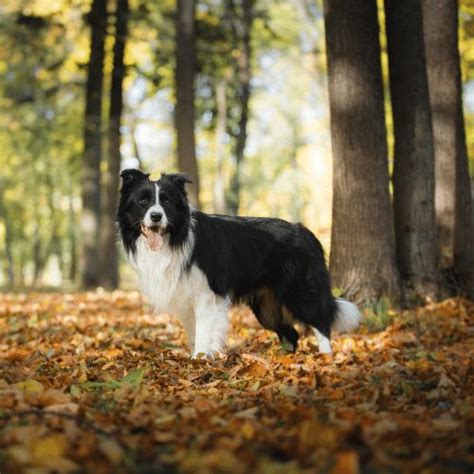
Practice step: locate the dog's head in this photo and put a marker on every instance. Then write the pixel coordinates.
(153, 208)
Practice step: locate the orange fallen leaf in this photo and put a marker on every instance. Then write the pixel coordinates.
(52, 396)
(347, 462)
(247, 429)
(44, 449)
(255, 369)
(337, 394)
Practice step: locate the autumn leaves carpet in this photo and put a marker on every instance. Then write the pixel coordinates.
(93, 383)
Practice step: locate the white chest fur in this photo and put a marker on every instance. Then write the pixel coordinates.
(183, 292)
(169, 286)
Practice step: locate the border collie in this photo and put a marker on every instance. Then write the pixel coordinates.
(195, 265)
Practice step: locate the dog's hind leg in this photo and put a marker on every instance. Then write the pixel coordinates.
(288, 334)
(271, 315)
(317, 311)
(324, 343)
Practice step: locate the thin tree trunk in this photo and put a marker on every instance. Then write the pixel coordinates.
(297, 202)
(221, 127)
(109, 253)
(72, 240)
(184, 78)
(10, 271)
(362, 239)
(243, 32)
(133, 137)
(90, 221)
(50, 247)
(413, 175)
(453, 194)
(36, 250)
(9, 253)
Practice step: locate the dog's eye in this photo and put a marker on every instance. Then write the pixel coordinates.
(164, 198)
(143, 202)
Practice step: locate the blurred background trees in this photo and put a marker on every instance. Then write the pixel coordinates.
(258, 100)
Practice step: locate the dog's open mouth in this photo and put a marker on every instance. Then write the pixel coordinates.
(154, 236)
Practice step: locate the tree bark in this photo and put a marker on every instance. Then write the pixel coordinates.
(90, 180)
(109, 253)
(72, 274)
(242, 33)
(413, 175)
(184, 78)
(221, 127)
(362, 238)
(452, 191)
(10, 269)
(9, 252)
(133, 137)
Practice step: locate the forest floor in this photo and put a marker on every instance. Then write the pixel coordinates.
(91, 382)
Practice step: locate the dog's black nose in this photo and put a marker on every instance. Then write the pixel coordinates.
(156, 216)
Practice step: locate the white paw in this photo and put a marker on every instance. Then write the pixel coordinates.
(203, 355)
(323, 342)
(325, 348)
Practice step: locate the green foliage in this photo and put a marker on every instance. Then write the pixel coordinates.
(40, 140)
(377, 314)
(466, 49)
(134, 378)
(44, 48)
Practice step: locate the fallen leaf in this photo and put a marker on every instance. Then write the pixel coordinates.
(337, 394)
(347, 462)
(30, 386)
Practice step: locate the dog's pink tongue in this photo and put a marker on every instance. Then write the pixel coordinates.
(154, 238)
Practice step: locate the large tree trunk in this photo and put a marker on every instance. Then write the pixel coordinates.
(184, 78)
(109, 253)
(362, 239)
(242, 28)
(90, 221)
(221, 127)
(413, 175)
(452, 191)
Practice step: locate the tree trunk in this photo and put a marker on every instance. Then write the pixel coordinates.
(452, 191)
(72, 274)
(297, 200)
(109, 253)
(413, 175)
(90, 220)
(184, 78)
(133, 137)
(362, 239)
(9, 253)
(242, 33)
(463, 253)
(10, 269)
(221, 127)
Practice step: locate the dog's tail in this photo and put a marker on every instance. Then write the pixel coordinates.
(348, 316)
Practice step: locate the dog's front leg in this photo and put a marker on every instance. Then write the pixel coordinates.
(189, 324)
(211, 324)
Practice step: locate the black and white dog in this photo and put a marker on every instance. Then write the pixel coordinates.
(195, 265)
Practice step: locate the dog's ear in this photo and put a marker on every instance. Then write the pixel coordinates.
(130, 172)
(180, 179)
(132, 176)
